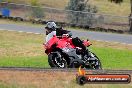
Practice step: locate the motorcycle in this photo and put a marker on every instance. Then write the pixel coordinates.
(62, 53)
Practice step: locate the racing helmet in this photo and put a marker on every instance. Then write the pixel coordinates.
(51, 26)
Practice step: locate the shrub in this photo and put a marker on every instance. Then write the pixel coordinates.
(37, 11)
(81, 12)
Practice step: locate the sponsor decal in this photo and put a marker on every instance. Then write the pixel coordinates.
(83, 78)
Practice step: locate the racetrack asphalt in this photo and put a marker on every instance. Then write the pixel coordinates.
(63, 70)
(100, 36)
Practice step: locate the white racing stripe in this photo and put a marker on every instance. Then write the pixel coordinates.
(37, 33)
(20, 31)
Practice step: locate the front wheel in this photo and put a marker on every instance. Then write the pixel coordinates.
(56, 60)
(93, 62)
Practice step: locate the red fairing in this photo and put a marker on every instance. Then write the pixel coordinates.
(52, 41)
(61, 43)
(65, 42)
(48, 45)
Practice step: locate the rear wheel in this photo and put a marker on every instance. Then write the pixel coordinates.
(56, 60)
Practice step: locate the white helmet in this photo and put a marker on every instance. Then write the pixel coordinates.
(51, 26)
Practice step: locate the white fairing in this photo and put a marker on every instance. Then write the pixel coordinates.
(50, 35)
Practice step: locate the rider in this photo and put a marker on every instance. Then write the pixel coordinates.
(50, 30)
(53, 30)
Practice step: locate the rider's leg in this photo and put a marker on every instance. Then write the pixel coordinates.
(78, 42)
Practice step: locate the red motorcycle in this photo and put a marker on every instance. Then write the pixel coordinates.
(62, 53)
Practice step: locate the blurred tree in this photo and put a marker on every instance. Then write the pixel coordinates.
(6, 1)
(34, 3)
(37, 11)
(78, 13)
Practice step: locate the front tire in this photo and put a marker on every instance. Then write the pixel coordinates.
(93, 62)
(56, 60)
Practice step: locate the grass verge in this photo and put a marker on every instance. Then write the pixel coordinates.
(26, 50)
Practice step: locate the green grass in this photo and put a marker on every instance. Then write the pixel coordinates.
(26, 50)
(114, 58)
(22, 50)
(36, 61)
(3, 86)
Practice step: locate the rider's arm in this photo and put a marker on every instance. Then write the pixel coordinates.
(50, 35)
